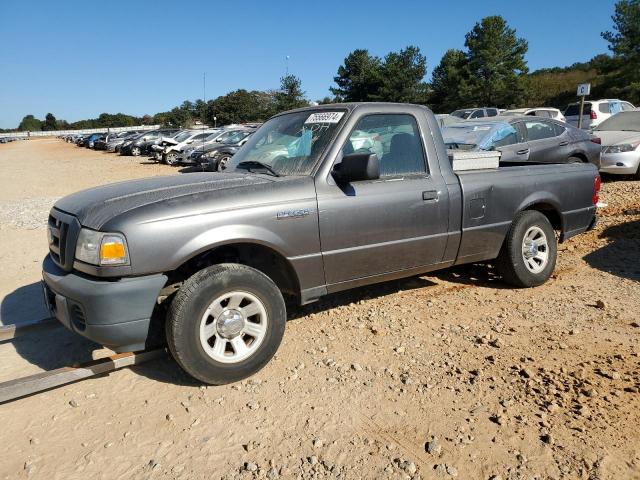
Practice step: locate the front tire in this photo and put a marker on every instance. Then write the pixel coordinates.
(225, 323)
(528, 254)
(171, 158)
(135, 151)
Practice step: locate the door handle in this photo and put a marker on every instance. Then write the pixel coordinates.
(563, 144)
(430, 195)
(523, 152)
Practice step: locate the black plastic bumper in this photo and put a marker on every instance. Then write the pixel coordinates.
(116, 314)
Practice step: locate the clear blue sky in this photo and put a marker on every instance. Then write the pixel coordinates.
(79, 59)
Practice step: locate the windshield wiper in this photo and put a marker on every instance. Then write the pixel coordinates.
(257, 165)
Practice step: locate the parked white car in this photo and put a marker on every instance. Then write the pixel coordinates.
(544, 112)
(620, 135)
(176, 144)
(595, 112)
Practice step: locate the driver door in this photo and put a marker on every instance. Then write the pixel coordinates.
(394, 223)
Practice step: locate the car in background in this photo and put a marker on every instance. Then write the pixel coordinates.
(173, 147)
(544, 112)
(139, 144)
(90, 140)
(445, 119)
(101, 143)
(192, 155)
(471, 113)
(620, 135)
(524, 140)
(114, 144)
(215, 159)
(595, 112)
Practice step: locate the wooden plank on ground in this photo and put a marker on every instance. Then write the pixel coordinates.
(40, 382)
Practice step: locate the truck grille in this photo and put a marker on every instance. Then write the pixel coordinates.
(63, 234)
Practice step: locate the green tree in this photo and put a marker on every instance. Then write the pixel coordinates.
(30, 123)
(622, 73)
(496, 64)
(240, 106)
(449, 82)
(359, 78)
(290, 95)
(401, 76)
(49, 122)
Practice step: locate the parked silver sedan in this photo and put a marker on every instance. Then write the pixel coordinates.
(620, 136)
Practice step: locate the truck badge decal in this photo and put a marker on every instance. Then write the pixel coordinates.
(295, 213)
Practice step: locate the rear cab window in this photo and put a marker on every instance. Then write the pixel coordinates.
(573, 110)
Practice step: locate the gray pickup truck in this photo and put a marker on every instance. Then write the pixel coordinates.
(319, 200)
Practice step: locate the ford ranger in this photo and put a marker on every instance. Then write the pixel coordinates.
(319, 200)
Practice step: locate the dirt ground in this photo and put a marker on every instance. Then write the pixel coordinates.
(442, 376)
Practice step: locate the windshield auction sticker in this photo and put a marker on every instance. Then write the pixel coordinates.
(324, 117)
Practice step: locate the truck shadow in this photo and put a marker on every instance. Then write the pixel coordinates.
(479, 275)
(55, 346)
(621, 256)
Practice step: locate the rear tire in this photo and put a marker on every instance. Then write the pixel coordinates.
(225, 323)
(528, 255)
(575, 160)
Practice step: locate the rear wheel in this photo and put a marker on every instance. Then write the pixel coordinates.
(575, 160)
(528, 255)
(225, 323)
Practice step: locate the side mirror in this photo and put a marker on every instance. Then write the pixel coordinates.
(357, 167)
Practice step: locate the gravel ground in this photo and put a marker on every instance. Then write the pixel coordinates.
(450, 375)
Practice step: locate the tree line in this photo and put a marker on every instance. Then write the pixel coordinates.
(491, 70)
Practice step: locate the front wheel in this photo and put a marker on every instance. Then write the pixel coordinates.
(528, 255)
(135, 151)
(225, 323)
(171, 158)
(222, 163)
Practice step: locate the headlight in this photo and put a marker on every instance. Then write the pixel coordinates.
(626, 147)
(98, 248)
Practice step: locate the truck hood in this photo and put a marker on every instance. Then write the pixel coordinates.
(96, 206)
(616, 138)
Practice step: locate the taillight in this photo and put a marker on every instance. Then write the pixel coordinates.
(593, 115)
(597, 140)
(597, 183)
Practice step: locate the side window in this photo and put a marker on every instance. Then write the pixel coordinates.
(394, 138)
(538, 130)
(559, 129)
(477, 114)
(626, 106)
(506, 135)
(604, 107)
(492, 112)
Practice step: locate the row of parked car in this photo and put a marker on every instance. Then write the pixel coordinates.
(610, 140)
(527, 135)
(204, 148)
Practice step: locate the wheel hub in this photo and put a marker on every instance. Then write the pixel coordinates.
(531, 249)
(230, 323)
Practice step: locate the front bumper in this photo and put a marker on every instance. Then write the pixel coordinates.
(116, 314)
(625, 163)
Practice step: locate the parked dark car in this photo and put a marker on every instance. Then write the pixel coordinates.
(215, 159)
(525, 140)
(90, 140)
(114, 144)
(229, 137)
(101, 143)
(140, 145)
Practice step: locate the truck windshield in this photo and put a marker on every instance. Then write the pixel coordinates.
(290, 144)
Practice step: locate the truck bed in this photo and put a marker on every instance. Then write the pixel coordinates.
(492, 197)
